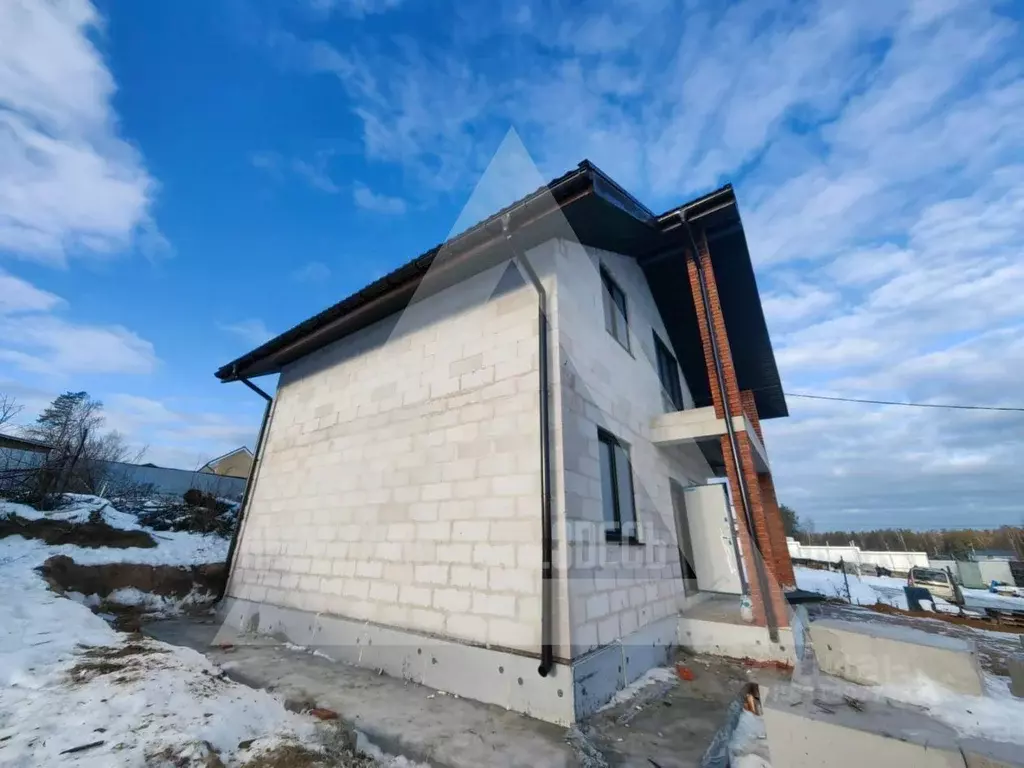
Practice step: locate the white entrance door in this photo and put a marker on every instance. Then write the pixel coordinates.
(711, 536)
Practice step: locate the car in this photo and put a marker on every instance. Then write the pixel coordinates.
(935, 580)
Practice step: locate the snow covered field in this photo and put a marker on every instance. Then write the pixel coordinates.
(74, 691)
(868, 590)
(173, 547)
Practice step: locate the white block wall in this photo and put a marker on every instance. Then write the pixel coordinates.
(614, 589)
(400, 482)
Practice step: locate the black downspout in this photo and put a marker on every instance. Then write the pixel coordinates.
(547, 651)
(761, 573)
(250, 481)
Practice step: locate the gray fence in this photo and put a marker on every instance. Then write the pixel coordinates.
(116, 477)
(168, 482)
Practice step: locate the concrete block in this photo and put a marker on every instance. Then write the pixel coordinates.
(804, 732)
(1016, 666)
(736, 641)
(981, 753)
(876, 654)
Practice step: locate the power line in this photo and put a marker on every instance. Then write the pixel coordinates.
(908, 405)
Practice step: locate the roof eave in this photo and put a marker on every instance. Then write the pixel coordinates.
(576, 182)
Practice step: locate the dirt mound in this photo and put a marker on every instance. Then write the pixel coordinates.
(64, 574)
(94, 533)
(197, 512)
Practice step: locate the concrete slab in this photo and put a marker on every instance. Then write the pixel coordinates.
(402, 717)
(670, 723)
(1015, 667)
(979, 753)
(806, 732)
(490, 675)
(878, 654)
(736, 641)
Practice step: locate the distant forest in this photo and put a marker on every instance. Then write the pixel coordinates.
(959, 544)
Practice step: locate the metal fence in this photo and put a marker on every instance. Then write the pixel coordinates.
(19, 469)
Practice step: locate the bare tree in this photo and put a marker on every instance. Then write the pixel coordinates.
(9, 408)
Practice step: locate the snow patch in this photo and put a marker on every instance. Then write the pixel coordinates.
(997, 716)
(68, 679)
(368, 748)
(650, 677)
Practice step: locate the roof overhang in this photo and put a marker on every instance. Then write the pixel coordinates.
(595, 211)
(717, 217)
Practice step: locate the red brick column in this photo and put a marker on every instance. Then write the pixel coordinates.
(781, 564)
(758, 514)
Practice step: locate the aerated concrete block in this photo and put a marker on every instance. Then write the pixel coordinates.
(804, 732)
(883, 654)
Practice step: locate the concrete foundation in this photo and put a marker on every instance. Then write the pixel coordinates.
(804, 732)
(487, 674)
(600, 674)
(881, 654)
(736, 641)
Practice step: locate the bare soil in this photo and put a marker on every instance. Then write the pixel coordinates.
(297, 756)
(64, 574)
(92, 534)
(964, 621)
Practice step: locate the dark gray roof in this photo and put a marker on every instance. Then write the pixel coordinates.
(602, 214)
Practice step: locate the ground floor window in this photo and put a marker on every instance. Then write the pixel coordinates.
(617, 489)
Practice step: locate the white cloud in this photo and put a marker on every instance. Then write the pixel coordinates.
(312, 272)
(377, 202)
(38, 341)
(878, 174)
(176, 433)
(252, 330)
(355, 8)
(68, 183)
(48, 345)
(17, 295)
(784, 309)
(313, 172)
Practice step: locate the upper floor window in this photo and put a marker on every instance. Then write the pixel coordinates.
(668, 372)
(616, 320)
(616, 489)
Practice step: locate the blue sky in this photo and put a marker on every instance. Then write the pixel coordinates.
(179, 181)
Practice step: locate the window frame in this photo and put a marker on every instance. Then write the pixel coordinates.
(671, 390)
(615, 535)
(612, 310)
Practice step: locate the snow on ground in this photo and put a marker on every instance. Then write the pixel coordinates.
(68, 680)
(650, 677)
(868, 590)
(832, 584)
(136, 705)
(982, 598)
(997, 715)
(172, 547)
(79, 509)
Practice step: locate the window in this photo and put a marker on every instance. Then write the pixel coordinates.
(616, 489)
(616, 321)
(668, 372)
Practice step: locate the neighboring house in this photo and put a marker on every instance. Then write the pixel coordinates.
(14, 443)
(408, 515)
(237, 463)
(17, 455)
